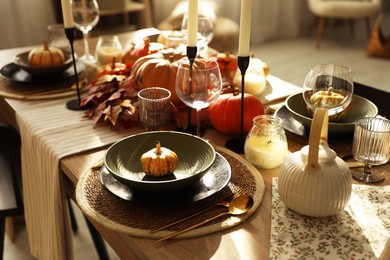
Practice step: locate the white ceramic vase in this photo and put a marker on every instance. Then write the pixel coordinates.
(314, 181)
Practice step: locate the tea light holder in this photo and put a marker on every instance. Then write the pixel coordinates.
(237, 144)
(76, 103)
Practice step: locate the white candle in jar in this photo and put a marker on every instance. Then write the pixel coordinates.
(265, 152)
(192, 22)
(254, 82)
(245, 28)
(67, 13)
(106, 55)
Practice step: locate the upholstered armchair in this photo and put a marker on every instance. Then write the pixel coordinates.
(343, 9)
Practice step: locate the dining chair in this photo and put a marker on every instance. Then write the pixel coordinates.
(11, 203)
(11, 192)
(343, 9)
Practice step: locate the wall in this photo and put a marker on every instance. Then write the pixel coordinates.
(270, 19)
(24, 22)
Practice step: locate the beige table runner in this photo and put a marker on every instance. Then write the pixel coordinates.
(50, 132)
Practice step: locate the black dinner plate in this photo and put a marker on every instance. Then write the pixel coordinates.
(290, 124)
(217, 177)
(14, 73)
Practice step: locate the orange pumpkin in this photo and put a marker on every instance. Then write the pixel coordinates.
(158, 70)
(46, 56)
(140, 50)
(225, 112)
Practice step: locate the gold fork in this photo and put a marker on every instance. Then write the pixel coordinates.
(224, 203)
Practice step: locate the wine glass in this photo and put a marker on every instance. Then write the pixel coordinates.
(329, 86)
(85, 17)
(199, 88)
(205, 30)
(371, 145)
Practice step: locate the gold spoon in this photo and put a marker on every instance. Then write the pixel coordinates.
(237, 206)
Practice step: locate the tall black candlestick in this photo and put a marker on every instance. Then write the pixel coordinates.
(237, 144)
(74, 104)
(191, 55)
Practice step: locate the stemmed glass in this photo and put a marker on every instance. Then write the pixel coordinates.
(85, 17)
(205, 30)
(329, 86)
(371, 145)
(200, 90)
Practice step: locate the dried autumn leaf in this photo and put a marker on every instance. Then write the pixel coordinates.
(126, 103)
(113, 114)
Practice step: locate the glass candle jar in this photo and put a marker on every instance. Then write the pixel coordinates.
(266, 143)
(107, 49)
(255, 77)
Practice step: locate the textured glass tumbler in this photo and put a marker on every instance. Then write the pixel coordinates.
(154, 107)
(371, 145)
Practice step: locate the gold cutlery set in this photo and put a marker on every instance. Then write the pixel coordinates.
(237, 203)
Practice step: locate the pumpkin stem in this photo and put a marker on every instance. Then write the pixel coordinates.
(330, 91)
(146, 41)
(113, 63)
(158, 148)
(45, 45)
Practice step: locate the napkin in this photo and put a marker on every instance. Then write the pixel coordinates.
(277, 90)
(360, 231)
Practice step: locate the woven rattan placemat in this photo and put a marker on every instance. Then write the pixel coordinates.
(137, 220)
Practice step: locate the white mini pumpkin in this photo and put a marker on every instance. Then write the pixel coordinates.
(46, 56)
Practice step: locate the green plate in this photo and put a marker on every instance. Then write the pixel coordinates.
(196, 156)
(359, 107)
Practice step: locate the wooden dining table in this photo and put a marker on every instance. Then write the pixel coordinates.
(248, 240)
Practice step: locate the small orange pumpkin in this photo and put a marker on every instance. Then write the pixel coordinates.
(113, 68)
(225, 112)
(140, 50)
(228, 65)
(46, 56)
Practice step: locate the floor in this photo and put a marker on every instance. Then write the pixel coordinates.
(288, 59)
(82, 242)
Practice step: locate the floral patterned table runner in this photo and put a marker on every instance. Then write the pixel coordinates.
(360, 231)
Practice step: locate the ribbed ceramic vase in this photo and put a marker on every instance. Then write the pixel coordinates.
(314, 181)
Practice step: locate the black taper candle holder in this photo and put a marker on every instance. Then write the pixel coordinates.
(76, 103)
(237, 144)
(191, 55)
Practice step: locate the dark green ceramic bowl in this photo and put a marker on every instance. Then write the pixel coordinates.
(359, 107)
(196, 156)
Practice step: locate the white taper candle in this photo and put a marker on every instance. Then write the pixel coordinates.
(245, 28)
(67, 13)
(192, 22)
